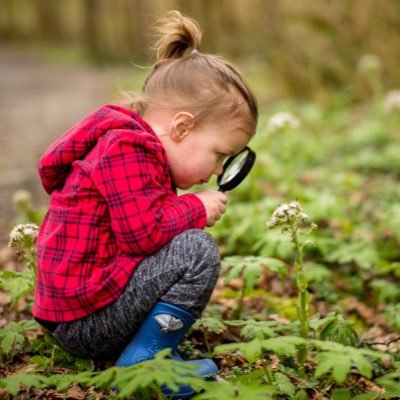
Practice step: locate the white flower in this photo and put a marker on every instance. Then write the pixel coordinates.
(22, 199)
(369, 64)
(23, 235)
(286, 214)
(392, 101)
(282, 121)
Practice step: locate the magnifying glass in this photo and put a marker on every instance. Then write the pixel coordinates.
(235, 169)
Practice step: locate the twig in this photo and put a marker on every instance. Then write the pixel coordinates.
(387, 343)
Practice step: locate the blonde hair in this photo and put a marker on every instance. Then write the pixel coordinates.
(203, 84)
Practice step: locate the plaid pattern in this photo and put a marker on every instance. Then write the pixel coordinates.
(112, 203)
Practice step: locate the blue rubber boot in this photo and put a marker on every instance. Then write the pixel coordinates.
(164, 327)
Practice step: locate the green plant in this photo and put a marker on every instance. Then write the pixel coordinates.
(13, 339)
(338, 360)
(340, 331)
(391, 382)
(47, 354)
(252, 329)
(210, 324)
(19, 284)
(143, 379)
(249, 269)
(290, 217)
(250, 389)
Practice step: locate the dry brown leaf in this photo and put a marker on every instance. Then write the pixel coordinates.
(368, 314)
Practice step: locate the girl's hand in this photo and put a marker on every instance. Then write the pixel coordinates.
(214, 203)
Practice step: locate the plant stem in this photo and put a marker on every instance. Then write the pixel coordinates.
(206, 340)
(239, 309)
(326, 387)
(268, 375)
(31, 263)
(303, 306)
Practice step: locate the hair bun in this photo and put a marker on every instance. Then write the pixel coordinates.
(177, 33)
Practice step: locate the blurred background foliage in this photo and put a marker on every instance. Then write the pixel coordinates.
(307, 47)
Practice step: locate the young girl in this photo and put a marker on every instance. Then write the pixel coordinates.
(124, 264)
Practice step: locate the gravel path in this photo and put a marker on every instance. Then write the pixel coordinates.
(38, 102)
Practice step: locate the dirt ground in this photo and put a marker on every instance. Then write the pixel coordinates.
(39, 101)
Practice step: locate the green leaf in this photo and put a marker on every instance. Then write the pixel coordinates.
(40, 361)
(18, 285)
(254, 390)
(251, 275)
(284, 345)
(391, 383)
(362, 364)
(14, 383)
(84, 364)
(217, 391)
(12, 335)
(155, 373)
(252, 350)
(366, 396)
(302, 395)
(341, 331)
(284, 384)
(255, 329)
(7, 343)
(212, 324)
(246, 390)
(316, 272)
(341, 394)
(105, 379)
(249, 268)
(317, 322)
(388, 292)
(361, 252)
(63, 382)
(326, 362)
(340, 358)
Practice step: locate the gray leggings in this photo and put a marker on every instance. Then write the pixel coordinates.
(183, 273)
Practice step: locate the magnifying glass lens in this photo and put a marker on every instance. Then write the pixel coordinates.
(233, 168)
(236, 169)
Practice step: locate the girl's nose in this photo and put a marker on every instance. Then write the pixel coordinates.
(219, 170)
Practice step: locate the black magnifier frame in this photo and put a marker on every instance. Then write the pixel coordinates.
(242, 173)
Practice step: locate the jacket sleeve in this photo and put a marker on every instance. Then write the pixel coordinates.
(145, 212)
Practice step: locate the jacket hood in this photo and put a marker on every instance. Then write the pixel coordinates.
(56, 162)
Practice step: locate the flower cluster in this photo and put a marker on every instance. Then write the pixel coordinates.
(287, 214)
(23, 235)
(392, 101)
(282, 121)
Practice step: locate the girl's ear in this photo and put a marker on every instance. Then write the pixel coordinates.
(181, 126)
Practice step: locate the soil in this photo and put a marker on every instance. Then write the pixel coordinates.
(39, 101)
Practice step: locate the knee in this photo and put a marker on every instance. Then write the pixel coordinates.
(200, 245)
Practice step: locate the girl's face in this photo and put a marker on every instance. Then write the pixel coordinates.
(201, 151)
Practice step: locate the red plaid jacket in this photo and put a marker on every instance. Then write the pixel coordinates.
(112, 203)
